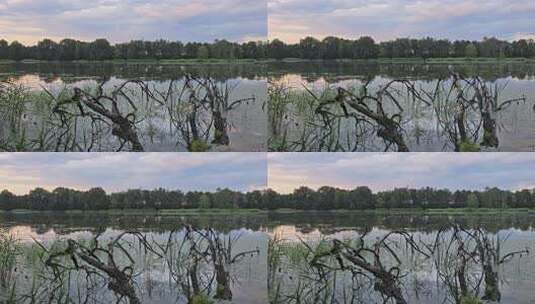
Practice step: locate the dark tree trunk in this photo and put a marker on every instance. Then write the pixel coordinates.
(220, 126)
(490, 139)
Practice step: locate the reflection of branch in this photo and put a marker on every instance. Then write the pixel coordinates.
(457, 250)
(389, 128)
(91, 261)
(368, 261)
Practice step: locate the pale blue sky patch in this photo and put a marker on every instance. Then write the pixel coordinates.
(20, 172)
(291, 20)
(29, 21)
(383, 171)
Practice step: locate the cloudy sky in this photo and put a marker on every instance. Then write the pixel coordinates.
(122, 20)
(381, 171)
(20, 172)
(291, 20)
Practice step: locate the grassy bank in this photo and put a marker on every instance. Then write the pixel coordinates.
(452, 60)
(213, 61)
(164, 212)
(409, 211)
(149, 61)
(171, 212)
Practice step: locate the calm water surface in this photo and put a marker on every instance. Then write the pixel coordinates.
(515, 125)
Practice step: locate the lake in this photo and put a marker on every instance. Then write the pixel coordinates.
(425, 127)
(287, 230)
(156, 279)
(165, 115)
(421, 281)
(161, 113)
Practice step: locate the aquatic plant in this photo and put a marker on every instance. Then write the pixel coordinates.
(359, 117)
(134, 112)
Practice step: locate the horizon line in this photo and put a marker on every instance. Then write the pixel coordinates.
(265, 189)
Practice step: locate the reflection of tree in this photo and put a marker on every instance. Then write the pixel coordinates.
(370, 118)
(65, 224)
(82, 119)
(365, 268)
(328, 223)
(198, 260)
(73, 72)
(334, 71)
(458, 250)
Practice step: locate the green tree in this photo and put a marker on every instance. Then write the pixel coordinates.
(204, 201)
(470, 50)
(472, 201)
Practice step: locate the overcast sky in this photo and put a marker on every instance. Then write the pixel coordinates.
(20, 172)
(382, 171)
(122, 20)
(291, 20)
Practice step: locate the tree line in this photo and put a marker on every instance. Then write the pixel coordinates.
(101, 49)
(303, 198)
(366, 48)
(308, 48)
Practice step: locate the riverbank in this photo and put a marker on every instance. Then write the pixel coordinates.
(160, 212)
(172, 212)
(401, 211)
(145, 61)
(213, 61)
(452, 60)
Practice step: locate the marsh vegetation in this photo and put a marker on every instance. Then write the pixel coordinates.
(185, 113)
(450, 111)
(187, 264)
(456, 261)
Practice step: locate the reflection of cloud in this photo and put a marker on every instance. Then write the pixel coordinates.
(291, 20)
(188, 20)
(382, 171)
(20, 172)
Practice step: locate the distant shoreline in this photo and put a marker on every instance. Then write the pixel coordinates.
(159, 212)
(450, 60)
(142, 61)
(192, 212)
(410, 211)
(430, 61)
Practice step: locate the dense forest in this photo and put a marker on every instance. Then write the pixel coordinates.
(307, 48)
(101, 49)
(367, 48)
(303, 198)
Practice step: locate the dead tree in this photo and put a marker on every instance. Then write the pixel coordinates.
(369, 261)
(199, 109)
(203, 258)
(359, 107)
(103, 108)
(457, 250)
(221, 257)
(101, 260)
(469, 99)
(123, 126)
(217, 99)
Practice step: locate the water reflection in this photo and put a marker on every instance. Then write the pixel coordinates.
(170, 115)
(158, 251)
(329, 257)
(300, 93)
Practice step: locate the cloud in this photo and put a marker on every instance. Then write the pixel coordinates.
(381, 171)
(124, 20)
(20, 172)
(291, 20)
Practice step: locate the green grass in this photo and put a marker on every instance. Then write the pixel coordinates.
(149, 61)
(146, 211)
(445, 211)
(450, 60)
